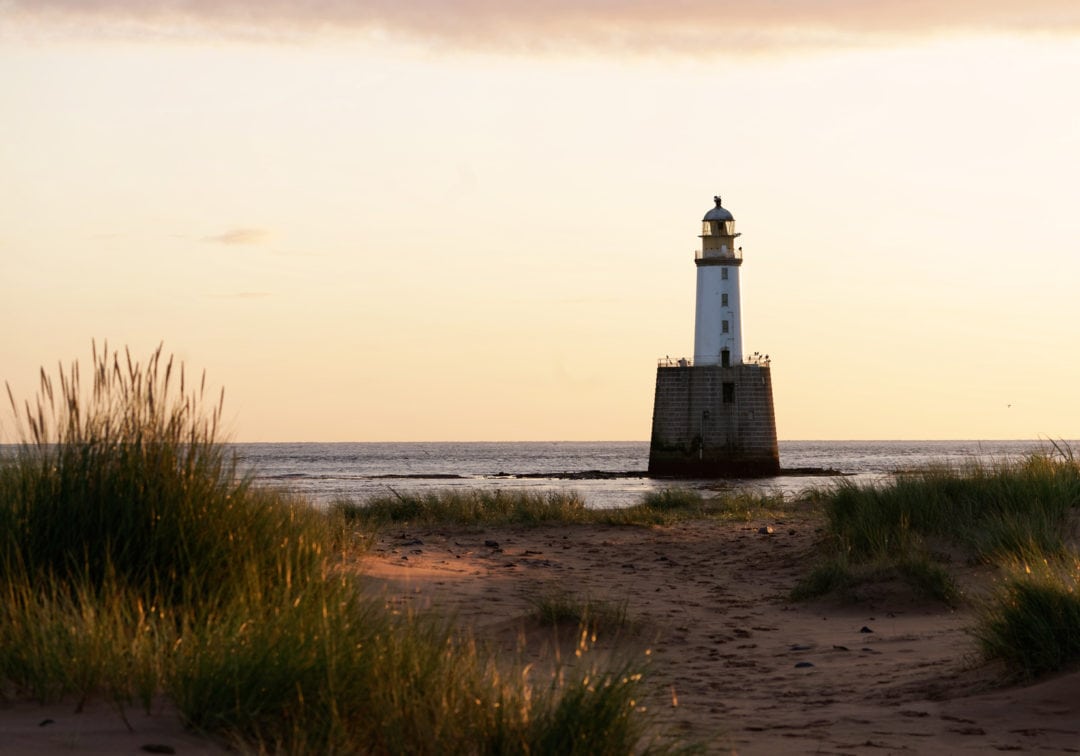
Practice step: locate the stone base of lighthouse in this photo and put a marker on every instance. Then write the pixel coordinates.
(711, 421)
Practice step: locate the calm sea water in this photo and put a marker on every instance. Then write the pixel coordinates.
(357, 471)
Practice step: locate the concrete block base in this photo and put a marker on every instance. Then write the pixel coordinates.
(714, 422)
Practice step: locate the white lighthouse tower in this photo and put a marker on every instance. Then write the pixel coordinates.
(717, 326)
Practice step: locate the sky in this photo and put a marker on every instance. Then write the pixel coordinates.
(475, 220)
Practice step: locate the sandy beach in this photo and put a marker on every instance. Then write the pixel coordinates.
(732, 663)
(735, 665)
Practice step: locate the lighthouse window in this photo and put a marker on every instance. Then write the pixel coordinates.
(723, 299)
(723, 274)
(729, 393)
(724, 326)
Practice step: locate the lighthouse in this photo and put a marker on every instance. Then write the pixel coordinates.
(717, 326)
(713, 416)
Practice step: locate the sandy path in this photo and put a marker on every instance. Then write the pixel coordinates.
(751, 672)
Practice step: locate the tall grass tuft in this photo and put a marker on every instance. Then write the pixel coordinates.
(125, 479)
(590, 716)
(1032, 624)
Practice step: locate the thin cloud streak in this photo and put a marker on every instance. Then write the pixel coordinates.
(245, 295)
(636, 25)
(236, 236)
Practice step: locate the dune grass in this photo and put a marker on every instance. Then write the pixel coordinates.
(1020, 516)
(124, 480)
(993, 510)
(473, 506)
(136, 561)
(836, 575)
(673, 500)
(60, 639)
(1032, 623)
(470, 506)
(591, 615)
(988, 512)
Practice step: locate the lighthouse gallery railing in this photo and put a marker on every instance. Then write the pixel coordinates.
(762, 360)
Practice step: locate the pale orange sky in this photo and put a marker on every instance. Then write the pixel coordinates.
(475, 220)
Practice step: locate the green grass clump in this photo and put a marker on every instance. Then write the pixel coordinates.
(514, 507)
(924, 576)
(672, 505)
(993, 510)
(591, 615)
(124, 480)
(136, 561)
(60, 640)
(1032, 624)
(990, 512)
(673, 500)
(468, 507)
(123, 520)
(589, 717)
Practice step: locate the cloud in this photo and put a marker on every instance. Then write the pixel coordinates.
(641, 25)
(239, 236)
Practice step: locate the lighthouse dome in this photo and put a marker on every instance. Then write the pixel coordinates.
(718, 213)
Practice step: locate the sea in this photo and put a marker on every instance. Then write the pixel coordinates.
(605, 474)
